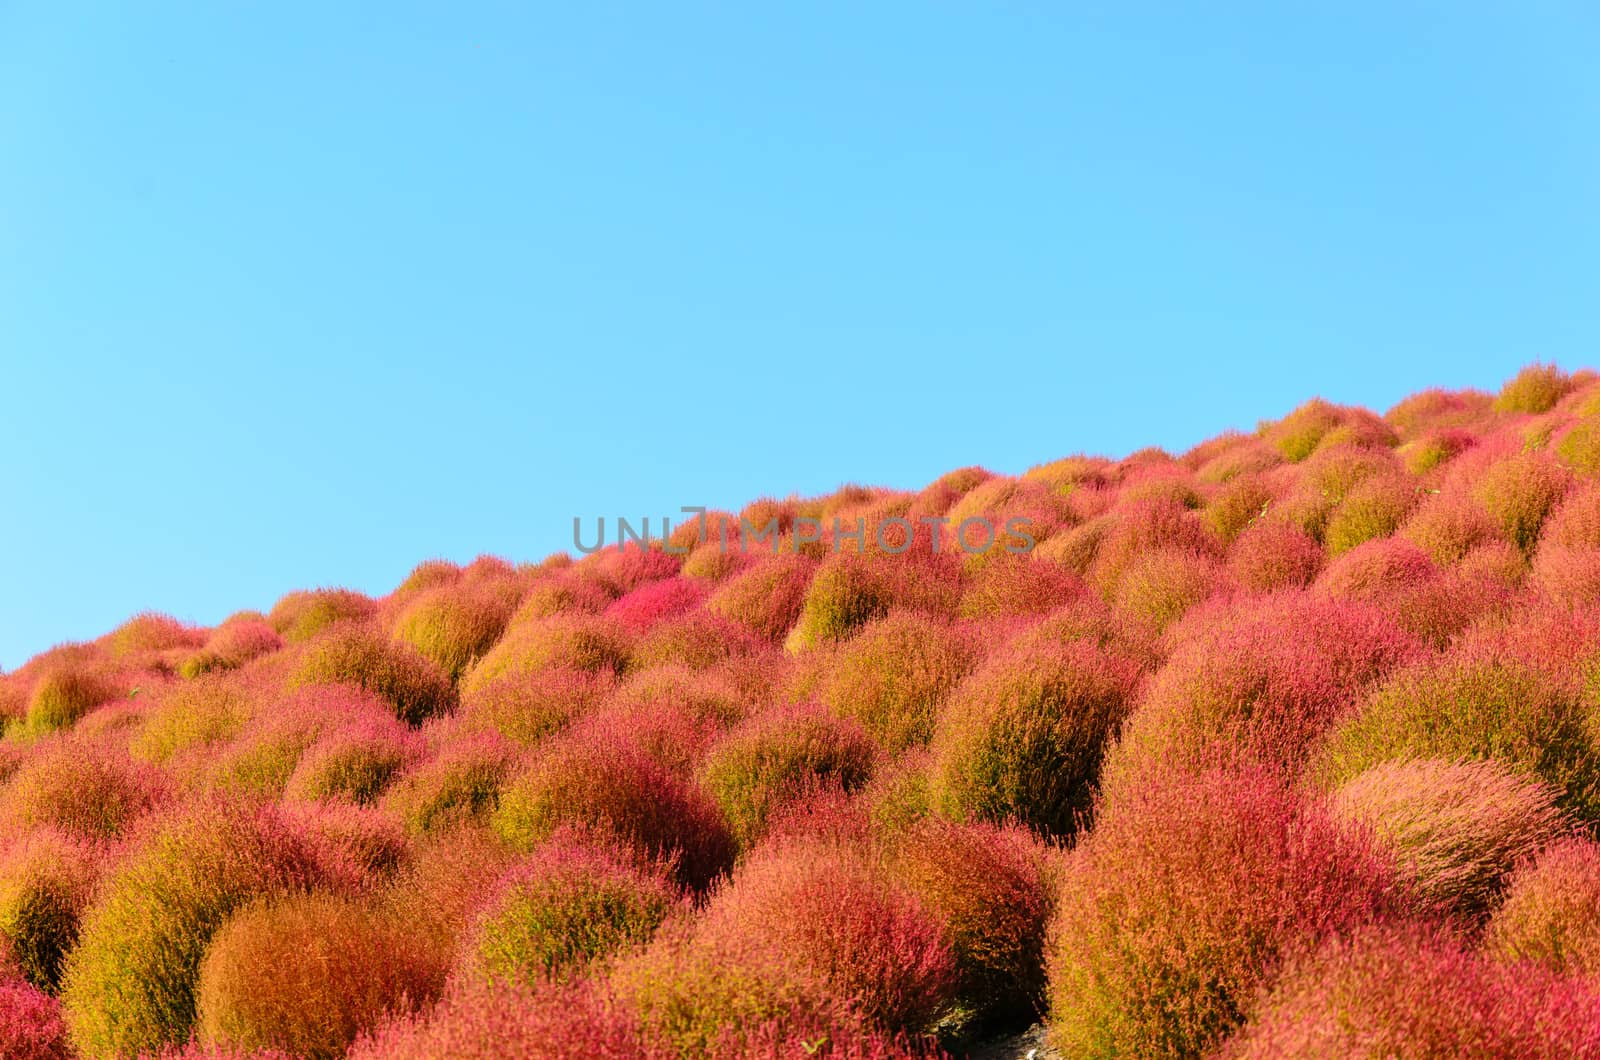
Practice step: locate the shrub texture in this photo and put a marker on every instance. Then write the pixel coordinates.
(1022, 737)
(1410, 994)
(776, 757)
(130, 983)
(566, 905)
(1551, 912)
(1183, 901)
(308, 973)
(1457, 829)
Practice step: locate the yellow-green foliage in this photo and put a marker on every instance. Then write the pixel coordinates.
(574, 642)
(1021, 738)
(845, 594)
(309, 973)
(1455, 828)
(1518, 492)
(1160, 585)
(1551, 912)
(1535, 389)
(45, 882)
(1297, 435)
(1243, 500)
(355, 765)
(1488, 708)
(894, 674)
(1374, 508)
(454, 625)
(403, 677)
(462, 782)
(64, 694)
(568, 905)
(301, 615)
(151, 632)
(776, 757)
(207, 710)
(1579, 448)
(130, 983)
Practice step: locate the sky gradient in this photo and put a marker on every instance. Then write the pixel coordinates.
(294, 297)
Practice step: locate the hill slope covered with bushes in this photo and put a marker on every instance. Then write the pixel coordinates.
(1288, 745)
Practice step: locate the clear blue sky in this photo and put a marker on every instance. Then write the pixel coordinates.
(292, 295)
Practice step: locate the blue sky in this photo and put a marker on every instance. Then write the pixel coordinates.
(297, 294)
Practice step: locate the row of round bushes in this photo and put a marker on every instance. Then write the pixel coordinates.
(1299, 723)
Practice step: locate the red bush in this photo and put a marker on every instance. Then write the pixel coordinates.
(1183, 900)
(588, 780)
(1411, 993)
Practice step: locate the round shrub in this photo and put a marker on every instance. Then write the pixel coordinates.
(1450, 524)
(1272, 555)
(808, 929)
(1579, 447)
(63, 694)
(1022, 736)
(429, 574)
(893, 675)
(443, 883)
(151, 632)
(650, 603)
(301, 615)
(1296, 435)
(45, 882)
(194, 715)
(31, 1027)
(308, 973)
(986, 885)
(456, 624)
(1160, 585)
(561, 593)
(527, 707)
(1178, 905)
(610, 785)
(627, 565)
(367, 840)
(1435, 449)
(1477, 707)
(1143, 527)
(1551, 912)
(778, 756)
(567, 905)
(356, 761)
(850, 590)
(1238, 506)
(129, 985)
(460, 782)
(587, 643)
(673, 724)
(1518, 492)
(767, 597)
(1434, 408)
(486, 1021)
(1374, 508)
(1013, 585)
(1533, 390)
(85, 789)
(1455, 828)
(1249, 693)
(697, 639)
(231, 645)
(1411, 993)
(415, 686)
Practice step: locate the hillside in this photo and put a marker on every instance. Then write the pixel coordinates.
(1288, 745)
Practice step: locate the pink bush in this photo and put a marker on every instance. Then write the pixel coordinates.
(1411, 993)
